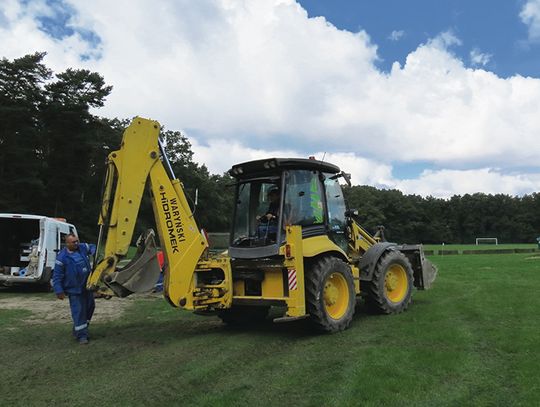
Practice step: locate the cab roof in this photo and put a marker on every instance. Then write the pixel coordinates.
(272, 165)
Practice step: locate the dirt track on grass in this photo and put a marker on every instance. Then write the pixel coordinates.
(49, 310)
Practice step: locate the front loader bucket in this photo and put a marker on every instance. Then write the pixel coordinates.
(141, 273)
(424, 270)
(429, 273)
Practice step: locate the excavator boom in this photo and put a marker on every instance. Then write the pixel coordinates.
(141, 161)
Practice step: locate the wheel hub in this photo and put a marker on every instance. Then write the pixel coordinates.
(336, 296)
(331, 293)
(396, 284)
(391, 281)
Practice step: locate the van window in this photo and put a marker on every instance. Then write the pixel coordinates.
(62, 241)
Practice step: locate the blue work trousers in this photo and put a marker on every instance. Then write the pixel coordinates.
(82, 308)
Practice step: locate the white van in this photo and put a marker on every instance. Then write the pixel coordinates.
(28, 247)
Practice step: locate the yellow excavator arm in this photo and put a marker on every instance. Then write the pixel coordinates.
(141, 160)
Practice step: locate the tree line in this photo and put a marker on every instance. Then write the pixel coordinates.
(460, 219)
(53, 151)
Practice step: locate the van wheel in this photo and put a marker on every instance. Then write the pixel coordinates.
(330, 296)
(46, 287)
(45, 280)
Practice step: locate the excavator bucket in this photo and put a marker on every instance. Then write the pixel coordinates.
(424, 270)
(141, 273)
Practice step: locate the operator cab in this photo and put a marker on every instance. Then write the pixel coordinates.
(276, 192)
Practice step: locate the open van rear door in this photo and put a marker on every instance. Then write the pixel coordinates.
(49, 244)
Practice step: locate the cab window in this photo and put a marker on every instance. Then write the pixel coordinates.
(303, 199)
(251, 227)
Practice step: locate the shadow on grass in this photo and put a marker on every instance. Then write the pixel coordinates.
(25, 288)
(152, 322)
(187, 327)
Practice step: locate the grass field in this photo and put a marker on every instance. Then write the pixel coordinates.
(461, 247)
(471, 341)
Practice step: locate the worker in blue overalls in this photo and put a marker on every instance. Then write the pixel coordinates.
(69, 278)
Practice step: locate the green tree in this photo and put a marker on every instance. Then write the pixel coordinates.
(52, 147)
(76, 143)
(21, 152)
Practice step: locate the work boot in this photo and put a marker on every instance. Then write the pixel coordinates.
(83, 341)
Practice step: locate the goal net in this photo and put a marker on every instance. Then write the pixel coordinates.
(487, 240)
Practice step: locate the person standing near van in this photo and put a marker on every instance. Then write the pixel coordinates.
(71, 272)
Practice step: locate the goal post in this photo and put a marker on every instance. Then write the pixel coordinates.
(487, 240)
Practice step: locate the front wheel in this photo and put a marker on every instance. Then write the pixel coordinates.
(330, 296)
(390, 290)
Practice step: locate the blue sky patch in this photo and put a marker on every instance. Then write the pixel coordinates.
(58, 25)
(485, 28)
(408, 170)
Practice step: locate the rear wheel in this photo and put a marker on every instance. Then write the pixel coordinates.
(244, 314)
(390, 290)
(330, 296)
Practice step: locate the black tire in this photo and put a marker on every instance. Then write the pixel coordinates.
(390, 290)
(244, 314)
(45, 281)
(330, 296)
(46, 287)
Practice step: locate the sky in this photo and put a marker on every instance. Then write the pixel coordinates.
(434, 98)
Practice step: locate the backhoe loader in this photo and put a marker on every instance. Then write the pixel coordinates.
(293, 244)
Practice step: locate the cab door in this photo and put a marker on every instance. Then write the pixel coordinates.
(335, 202)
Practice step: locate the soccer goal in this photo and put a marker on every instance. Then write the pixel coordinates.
(487, 240)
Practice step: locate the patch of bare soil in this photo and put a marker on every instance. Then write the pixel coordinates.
(46, 310)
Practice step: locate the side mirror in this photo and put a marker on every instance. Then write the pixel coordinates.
(347, 177)
(351, 212)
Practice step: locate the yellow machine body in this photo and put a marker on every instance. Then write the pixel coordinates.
(308, 275)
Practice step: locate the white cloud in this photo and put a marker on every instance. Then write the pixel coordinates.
(479, 58)
(530, 15)
(396, 35)
(444, 40)
(271, 81)
(220, 155)
(21, 34)
(445, 183)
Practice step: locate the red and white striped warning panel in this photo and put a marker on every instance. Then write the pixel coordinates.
(292, 279)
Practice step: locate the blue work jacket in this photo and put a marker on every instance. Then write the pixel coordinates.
(69, 278)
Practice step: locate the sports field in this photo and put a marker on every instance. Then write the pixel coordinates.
(472, 247)
(471, 341)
